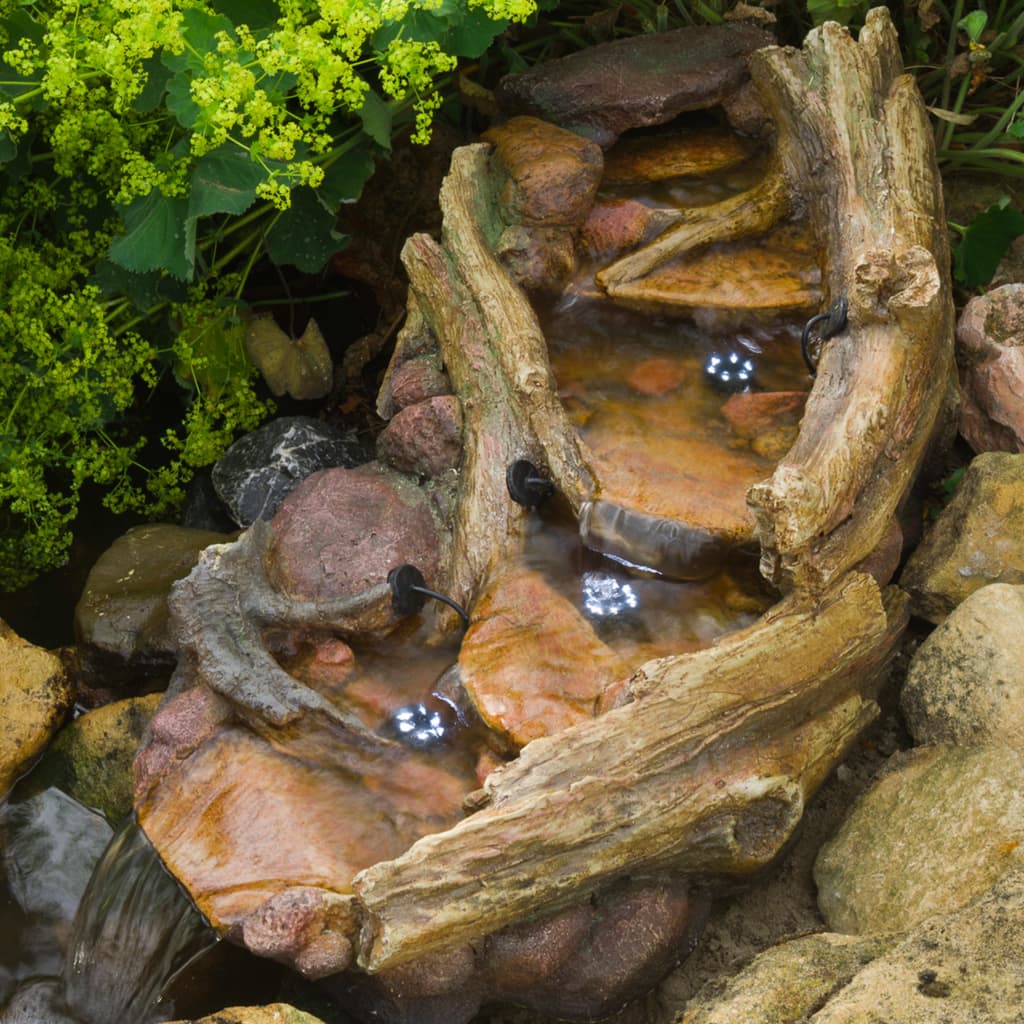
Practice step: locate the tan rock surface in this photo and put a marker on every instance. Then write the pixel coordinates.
(966, 681)
(978, 539)
(640, 159)
(35, 695)
(787, 983)
(276, 1013)
(936, 831)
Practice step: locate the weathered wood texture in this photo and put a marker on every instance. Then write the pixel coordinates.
(496, 357)
(705, 772)
(855, 143)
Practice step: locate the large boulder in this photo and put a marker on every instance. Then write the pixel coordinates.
(121, 617)
(978, 539)
(990, 352)
(936, 831)
(966, 681)
(342, 530)
(603, 90)
(35, 695)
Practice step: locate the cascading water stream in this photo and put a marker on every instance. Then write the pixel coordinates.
(134, 935)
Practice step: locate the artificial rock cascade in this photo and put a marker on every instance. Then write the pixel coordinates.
(701, 766)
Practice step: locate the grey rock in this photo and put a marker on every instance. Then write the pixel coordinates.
(37, 1002)
(262, 468)
(966, 681)
(121, 617)
(52, 844)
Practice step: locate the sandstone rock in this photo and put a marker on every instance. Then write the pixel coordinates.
(934, 832)
(530, 662)
(552, 174)
(417, 379)
(262, 468)
(35, 695)
(978, 539)
(657, 376)
(121, 617)
(778, 272)
(966, 681)
(990, 352)
(647, 158)
(759, 412)
(787, 983)
(424, 439)
(275, 1013)
(92, 756)
(342, 530)
(961, 968)
(644, 80)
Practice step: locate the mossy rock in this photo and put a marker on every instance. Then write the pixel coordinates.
(276, 1013)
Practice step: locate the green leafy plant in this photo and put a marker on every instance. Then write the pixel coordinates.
(151, 152)
(985, 242)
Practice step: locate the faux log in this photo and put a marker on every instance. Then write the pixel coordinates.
(704, 773)
(854, 150)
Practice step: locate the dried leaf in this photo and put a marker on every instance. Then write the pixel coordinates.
(952, 116)
(300, 367)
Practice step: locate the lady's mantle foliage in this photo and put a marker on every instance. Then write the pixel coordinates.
(150, 152)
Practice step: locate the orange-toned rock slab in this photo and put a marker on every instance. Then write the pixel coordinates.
(633, 161)
(530, 662)
(660, 457)
(240, 821)
(779, 272)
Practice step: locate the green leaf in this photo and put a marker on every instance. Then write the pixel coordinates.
(974, 24)
(224, 181)
(157, 77)
(219, 360)
(144, 290)
(344, 179)
(8, 148)
(257, 14)
(200, 32)
(985, 243)
(158, 236)
(179, 100)
(842, 11)
(304, 235)
(470, 36)
(376, 118)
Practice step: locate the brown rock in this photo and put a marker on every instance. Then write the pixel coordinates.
(615, 225)
(978, 539)
(418, 379)
(538, 259)
(530, 662)
(657, 377)
(635, 161)
(35, 695)
(603, 90)
(990, 351)
(759, 412)
(341, 530)
(552, 174)
(424, 439)
(122, 613)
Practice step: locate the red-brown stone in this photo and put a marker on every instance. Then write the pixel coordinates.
(424, 439)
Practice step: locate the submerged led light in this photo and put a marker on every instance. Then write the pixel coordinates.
(732, 372)
(604, 596)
